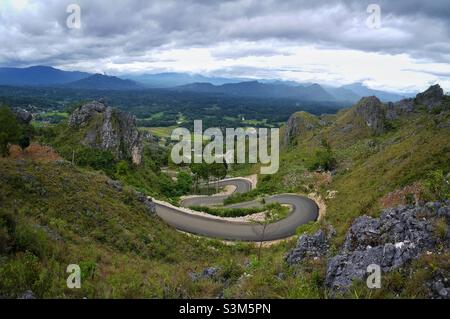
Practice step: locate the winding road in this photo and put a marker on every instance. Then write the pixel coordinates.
(304, 210)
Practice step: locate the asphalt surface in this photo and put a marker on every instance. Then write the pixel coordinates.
(304, 210)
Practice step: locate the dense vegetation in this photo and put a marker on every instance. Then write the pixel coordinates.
(162, 108)
(12, 132)
(56, 213)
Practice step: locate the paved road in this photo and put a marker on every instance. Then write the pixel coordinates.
(304, 211)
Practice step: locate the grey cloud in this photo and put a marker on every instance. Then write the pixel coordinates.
(135, 28)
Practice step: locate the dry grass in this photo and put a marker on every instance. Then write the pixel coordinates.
(34, 152)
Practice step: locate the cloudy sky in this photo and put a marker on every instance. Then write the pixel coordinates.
(329, 42)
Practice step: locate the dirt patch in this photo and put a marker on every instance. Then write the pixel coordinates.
(407, 195)
(34, 152)
(320, 203)
(254, 179)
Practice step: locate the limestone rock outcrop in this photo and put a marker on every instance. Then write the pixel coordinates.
(110, 130)
(371, 112)
(298, 123)
(431, 98)
(392, 241)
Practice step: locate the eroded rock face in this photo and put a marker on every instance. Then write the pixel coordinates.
(431, 98)
(371, 112)
(391, 241)
(297, 124)
(81, 116)
(110, 130)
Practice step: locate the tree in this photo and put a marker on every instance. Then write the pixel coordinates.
(201, 171)
(219, 171)
(184, 183)
(24, 142)
(270, 216)
(10, 130)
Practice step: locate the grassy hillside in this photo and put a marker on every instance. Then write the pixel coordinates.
(353, 172)
(53, 214)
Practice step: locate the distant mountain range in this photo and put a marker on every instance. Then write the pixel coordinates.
(104, 82)
(38, 76)
(182, 82)
(262, 90)
(172, 79)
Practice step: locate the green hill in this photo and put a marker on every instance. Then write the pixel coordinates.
(54, 212)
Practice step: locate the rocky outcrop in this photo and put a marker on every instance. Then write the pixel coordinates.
(371, 113)
(310, 246)
(431, 98)
(439, 286)
(207, 273)
(297, 124)
(22, 116)
(391, 241)
(110, 130)
(148, 203)
(81, 116)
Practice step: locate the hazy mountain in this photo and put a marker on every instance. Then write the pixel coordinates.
(104, 82)
(363, 91)
(342, 94)
(170, 80)
(273, 88)
(38, 76)
(263, 90)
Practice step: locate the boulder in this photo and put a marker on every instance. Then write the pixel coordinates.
(27, 295)
(22, 116)
(207, 273)
(309, 246)
(148, 203)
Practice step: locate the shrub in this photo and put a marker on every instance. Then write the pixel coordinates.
(24, 142)
(324, 159)
(122, 168)
(19, 274)
(184, 183)
(10, 130)
(96, 159)
(32, 239)
(437, 186)
(228, 212)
